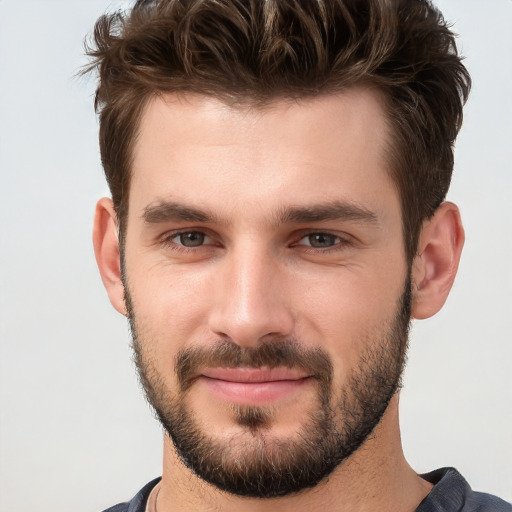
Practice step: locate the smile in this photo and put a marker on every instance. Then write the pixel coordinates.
(253, 386)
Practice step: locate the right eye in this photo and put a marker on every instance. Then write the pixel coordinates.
(191, 239)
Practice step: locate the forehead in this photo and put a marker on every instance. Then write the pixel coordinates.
(202, 150)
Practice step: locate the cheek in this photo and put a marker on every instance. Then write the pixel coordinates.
(169, 310)
(348, 313)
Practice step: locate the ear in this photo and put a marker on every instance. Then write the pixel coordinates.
(106, 249)
(436, 263)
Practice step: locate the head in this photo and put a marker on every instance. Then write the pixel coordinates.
(277, 171)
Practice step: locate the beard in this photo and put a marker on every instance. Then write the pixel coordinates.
(255, 463)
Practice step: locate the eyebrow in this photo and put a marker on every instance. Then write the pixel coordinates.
(334, 210)
(170, 211)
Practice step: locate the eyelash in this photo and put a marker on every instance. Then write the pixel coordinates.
(341, 243)
(167, 241)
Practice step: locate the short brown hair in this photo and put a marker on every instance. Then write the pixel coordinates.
(261, 50)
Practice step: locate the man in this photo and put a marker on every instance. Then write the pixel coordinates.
(278, 170)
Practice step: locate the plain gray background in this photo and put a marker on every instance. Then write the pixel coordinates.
(75, 432)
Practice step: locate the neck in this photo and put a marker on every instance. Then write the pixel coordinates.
(376, 476)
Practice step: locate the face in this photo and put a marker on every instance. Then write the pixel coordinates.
(266, 284)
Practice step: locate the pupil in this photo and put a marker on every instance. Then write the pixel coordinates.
(192, 239)
(322, 240)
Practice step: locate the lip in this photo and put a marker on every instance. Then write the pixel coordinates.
(252, 375)
(253, 386)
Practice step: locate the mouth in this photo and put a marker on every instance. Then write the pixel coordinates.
(253, 386)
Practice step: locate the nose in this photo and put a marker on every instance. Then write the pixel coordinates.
(252, 303)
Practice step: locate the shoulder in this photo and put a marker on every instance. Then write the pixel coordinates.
(120, 507)
(138, 502)
(451, 493)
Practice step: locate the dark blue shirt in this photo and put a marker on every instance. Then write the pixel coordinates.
(451, 493)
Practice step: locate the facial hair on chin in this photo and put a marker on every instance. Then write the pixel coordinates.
(263, 465)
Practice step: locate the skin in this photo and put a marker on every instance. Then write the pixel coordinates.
(256, 277)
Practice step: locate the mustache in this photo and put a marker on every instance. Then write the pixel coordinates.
(270, 354)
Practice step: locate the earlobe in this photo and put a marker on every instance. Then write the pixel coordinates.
(435, 266)
(106, 249)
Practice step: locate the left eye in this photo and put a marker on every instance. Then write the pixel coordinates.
(191, 239)
(320, 240)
